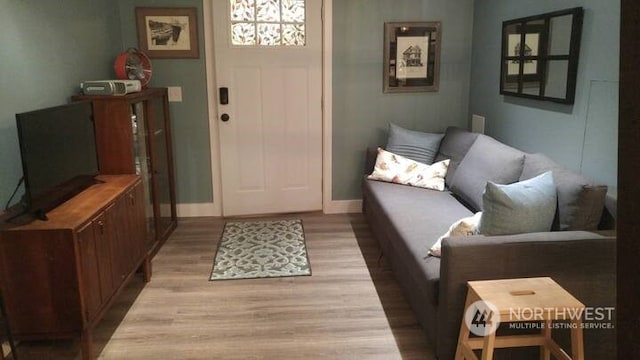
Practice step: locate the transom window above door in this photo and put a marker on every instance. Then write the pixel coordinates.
(268, 22)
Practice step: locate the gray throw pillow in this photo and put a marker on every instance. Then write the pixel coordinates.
(580, 200)
(523, 207)
(454, 146)
(415, 145)
(487, 160)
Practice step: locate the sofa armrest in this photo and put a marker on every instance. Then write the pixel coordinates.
(370, 160)
(582, 262)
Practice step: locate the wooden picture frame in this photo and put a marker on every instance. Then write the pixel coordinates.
(167, 32)
(411, 56)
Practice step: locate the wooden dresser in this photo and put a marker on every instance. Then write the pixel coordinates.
(59, 277)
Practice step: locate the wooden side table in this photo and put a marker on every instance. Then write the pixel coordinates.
(527, 300)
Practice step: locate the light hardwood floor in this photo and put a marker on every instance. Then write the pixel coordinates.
(350, 308)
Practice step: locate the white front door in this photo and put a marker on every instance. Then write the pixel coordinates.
(268, 57)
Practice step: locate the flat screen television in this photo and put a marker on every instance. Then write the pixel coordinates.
(59, 157)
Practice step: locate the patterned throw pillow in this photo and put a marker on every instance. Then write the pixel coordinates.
(464, 227)
(399, 169)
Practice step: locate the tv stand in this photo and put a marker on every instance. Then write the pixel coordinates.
(59, 277)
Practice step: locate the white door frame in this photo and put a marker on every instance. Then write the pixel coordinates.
(328, 204)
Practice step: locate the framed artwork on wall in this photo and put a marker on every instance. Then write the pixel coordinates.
(165, 33)
(411, 56)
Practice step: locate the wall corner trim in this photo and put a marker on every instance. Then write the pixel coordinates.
(343, 207)
(197, 210)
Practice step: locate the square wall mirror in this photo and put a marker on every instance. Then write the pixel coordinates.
(540, 56)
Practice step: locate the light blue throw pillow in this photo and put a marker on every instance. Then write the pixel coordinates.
(415, 145)
(523, 207)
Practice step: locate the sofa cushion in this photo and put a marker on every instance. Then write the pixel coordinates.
(522, 207)
(580, 201)
(394, 168)
(454, 146)
(486, 160)
(415, 145)
(415, 217)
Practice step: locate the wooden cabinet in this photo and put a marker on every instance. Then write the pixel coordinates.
(133, 136)
(58, 277)
(90, 269)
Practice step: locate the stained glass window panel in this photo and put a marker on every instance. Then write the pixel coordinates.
(268, 22)
(293, 34)
(243, 34)
(243, 10)
(293, 11)
(269, 34)
(268, 10)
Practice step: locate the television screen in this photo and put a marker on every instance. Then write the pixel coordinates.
(58, 150)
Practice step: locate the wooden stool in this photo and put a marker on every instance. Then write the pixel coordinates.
(526, 300)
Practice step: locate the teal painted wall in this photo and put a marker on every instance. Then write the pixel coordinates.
(582, 136)
(190, 122)
(361, 111)
(47, 49)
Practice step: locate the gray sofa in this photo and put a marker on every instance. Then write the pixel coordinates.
(579, 252)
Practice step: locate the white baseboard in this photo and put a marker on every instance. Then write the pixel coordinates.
(209, 209)
(195, 210)
(343, 206)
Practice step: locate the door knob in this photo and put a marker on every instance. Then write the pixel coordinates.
(225, 117)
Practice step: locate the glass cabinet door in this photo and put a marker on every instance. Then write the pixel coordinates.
(163, 178)
(143, 165)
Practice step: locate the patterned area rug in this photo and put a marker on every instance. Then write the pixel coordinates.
(259, 249)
